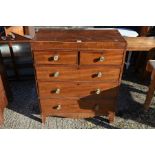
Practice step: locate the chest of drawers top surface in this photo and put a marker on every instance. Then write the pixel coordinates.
(81, 39)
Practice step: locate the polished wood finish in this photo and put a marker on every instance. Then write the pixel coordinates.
(84, 80)
(38, 44)
(55, 57)
(83, 73)
(110, 57)
(76, 108)
(132, 43)
(76, 90)
(74, 35)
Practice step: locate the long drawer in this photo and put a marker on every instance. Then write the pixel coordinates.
(56, 73)
(55, 57)
(105, 57)
(74, 108)
(82, 89)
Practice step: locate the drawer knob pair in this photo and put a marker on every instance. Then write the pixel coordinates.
(101, 59)
(54, 58)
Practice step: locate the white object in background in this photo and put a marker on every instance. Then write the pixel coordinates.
(125, 33)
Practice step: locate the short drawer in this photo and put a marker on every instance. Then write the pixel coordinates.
(113, 57)
(83, 108)
(76, 90)
(55, 57)
(96, 74)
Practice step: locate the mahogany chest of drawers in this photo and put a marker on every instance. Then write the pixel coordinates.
(78, 72)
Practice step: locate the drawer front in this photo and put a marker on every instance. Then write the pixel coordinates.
(67, 107)
(54, 57)
(96, 74)
(113, 57)
(76, 90)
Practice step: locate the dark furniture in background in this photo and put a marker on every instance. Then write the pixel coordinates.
(17, 57)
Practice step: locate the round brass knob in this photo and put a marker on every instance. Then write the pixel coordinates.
(56, 57)
(56, 74)
(99, 74)
(101, 59)
(98, 91)
(57, 91)
(58, 107)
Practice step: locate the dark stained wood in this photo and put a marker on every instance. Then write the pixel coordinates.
(133, 43)
(13, 61)
(81, 39)
(60, 35)
(5, 80)
(83, 73)
(144, 30)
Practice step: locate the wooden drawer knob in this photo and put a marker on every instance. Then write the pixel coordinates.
(101, 59)
(54, 58)
(58, 107)
(99, 74)
(56, 74)
(98, 91)
(57, 91)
